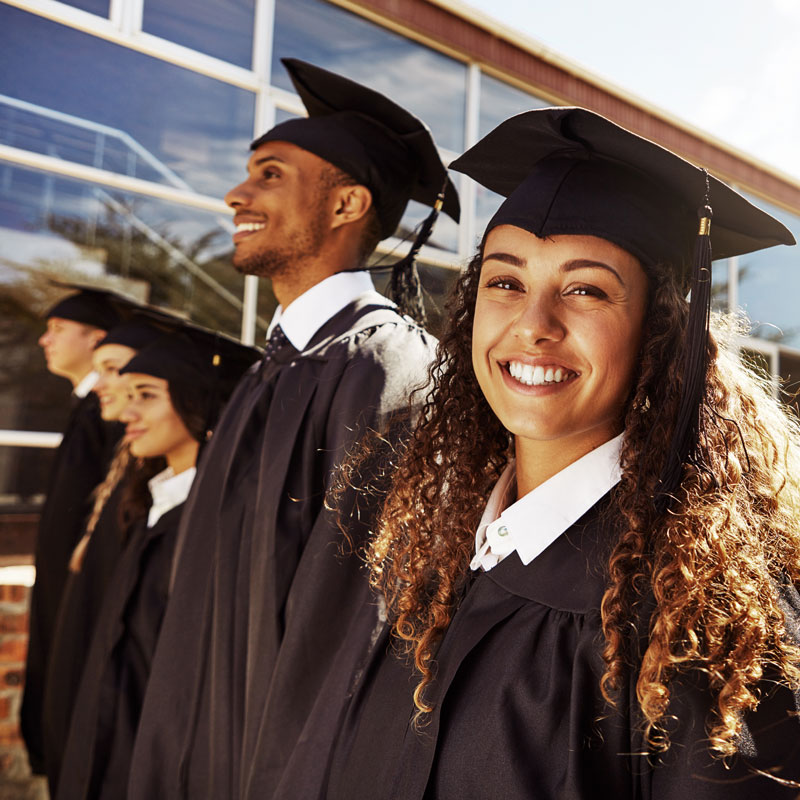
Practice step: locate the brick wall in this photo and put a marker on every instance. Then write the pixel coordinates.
(15, 779)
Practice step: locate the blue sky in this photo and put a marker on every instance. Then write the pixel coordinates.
(729, 67)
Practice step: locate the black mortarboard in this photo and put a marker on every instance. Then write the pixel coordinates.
(379, 144)
(206, 361)
(571, 171)
(134, 333)
(97, 307)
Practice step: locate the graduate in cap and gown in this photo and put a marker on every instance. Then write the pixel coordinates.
(74, 326)
(175, 388)
(589, 553)
(95, 556)
(265, 584)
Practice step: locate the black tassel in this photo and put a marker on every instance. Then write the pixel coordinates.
(684, 443)
(406, 289)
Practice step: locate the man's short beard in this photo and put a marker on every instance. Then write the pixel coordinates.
(279, 262)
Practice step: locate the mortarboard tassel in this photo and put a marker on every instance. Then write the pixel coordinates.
(406, 289)
(687, 423)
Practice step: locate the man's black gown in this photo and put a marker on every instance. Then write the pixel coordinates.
(263, 593)
(105, 718)
(81, 604)
(80, 464)
(518, 712)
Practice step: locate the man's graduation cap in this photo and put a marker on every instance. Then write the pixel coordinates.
(99, 308)
(205, 361)
(571, 171)
(376, 142)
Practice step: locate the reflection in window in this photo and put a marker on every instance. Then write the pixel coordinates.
(437, 285)
(487, 203)
(499, 101)
(769, 283)
(138, 116)
(427, 83)
(221, 28)
(99, 7)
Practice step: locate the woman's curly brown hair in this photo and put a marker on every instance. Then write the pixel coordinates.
(708, 566)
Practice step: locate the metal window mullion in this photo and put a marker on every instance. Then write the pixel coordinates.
(467, 229)
(733, 284)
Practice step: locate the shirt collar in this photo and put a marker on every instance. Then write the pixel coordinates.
(531, 524)
(305, 315)
(168, 490)
(86, 385)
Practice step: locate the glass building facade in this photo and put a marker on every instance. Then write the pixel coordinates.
(124, 122)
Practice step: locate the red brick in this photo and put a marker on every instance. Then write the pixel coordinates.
(11, 678)
(13, 648)
(13, 594)
(13, 623)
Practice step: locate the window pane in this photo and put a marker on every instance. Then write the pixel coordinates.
(99, 7)
(719, 286)
(499, 101)
(769, 283)
(487, 203)
(85, 100)
(221, 28)
(427, 83)
(437, 284)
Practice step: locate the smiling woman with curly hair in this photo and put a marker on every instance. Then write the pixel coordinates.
(624, 623)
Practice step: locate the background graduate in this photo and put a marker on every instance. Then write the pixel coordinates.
(95, 556)
(225, 705)
(624, 623)
(175, 387)
(74, 326)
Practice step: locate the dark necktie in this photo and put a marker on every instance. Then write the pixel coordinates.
(277, 349)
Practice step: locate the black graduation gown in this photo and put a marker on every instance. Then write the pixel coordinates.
(239, 666)
(81, 462)
(106, 715)
(80, 606)
(518, 712)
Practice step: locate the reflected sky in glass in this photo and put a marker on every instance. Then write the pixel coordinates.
(427, 83)
(137, 115)
(172, 256)
(221, 28)
(99, 7)
(769, 284)
(499, 101)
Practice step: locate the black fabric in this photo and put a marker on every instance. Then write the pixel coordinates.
(368, 136)
(106, 715)
(518, 711)
(80, 464)
(134, 333)
(81, 604)
(238, 667)
(571, 171)
(96, 307)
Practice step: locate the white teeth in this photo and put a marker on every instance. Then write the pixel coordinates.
(249, 226)
(538, 375)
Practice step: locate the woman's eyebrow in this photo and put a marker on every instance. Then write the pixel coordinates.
(590, 263)
(506, 258)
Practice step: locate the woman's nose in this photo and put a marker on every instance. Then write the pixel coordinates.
(540, 319)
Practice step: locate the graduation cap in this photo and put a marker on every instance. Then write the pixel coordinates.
(97, 307)
(135, 333)
(571, 171)
(377, 143)
(202, 360)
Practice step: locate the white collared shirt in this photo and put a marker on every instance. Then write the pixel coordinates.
(305, 315)
(531, 524)
(168, 490)
(86, 385)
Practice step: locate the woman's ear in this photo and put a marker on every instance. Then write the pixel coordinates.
(351, 203)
